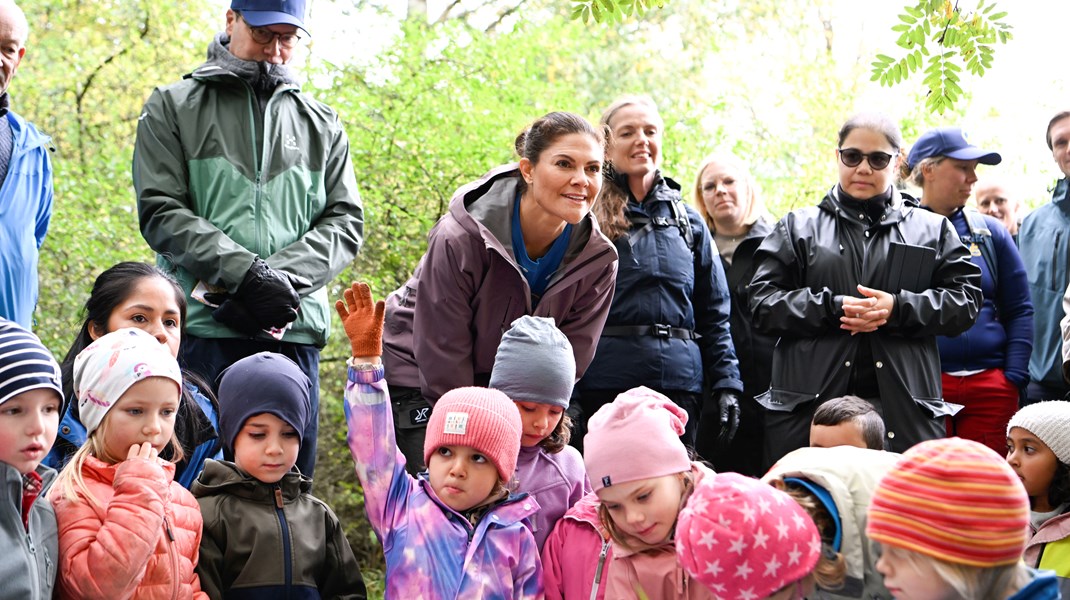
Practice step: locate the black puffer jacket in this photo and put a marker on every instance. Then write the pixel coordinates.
(814, 257)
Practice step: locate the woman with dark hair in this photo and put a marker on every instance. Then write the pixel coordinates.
(857, 288)
(518, 241)
(134, 294)
(726, 195)
(668, 328)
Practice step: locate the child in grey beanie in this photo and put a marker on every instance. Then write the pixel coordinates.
(536, 368)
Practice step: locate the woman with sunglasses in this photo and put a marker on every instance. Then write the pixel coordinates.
(984, 368)
(857, 288)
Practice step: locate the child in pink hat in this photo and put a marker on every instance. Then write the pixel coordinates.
(748, 540)
(642, 477)
(458, 530)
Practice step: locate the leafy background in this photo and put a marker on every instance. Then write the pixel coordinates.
(434, 94)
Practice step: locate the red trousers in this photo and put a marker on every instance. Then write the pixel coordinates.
(990, 401)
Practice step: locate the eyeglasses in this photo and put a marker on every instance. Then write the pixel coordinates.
(265, 36)
(877, 160)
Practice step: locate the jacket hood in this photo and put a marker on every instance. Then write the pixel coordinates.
(225, 477)
(849, 475)
(900, 206)
(26, 137)
(484, 208)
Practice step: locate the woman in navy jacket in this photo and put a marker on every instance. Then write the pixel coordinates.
(668, 326)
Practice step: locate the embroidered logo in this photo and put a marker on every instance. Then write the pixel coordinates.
(606, 481)
(456, 423)
(420, 415)
(290, 143)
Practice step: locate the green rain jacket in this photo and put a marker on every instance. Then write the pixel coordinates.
(211, 199)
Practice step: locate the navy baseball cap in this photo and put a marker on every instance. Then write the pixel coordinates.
(950, 142)
(261, 13)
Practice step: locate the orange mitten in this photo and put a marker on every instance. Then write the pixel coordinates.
(363, 320)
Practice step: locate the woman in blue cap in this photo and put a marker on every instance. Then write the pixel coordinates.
(986, 367)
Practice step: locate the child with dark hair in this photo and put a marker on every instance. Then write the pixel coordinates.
(847, 421)
(1038, 449)
(139, 295)
(536, 368)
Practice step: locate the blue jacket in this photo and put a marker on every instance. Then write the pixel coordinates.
(1045, 586)
(25, 210)
(205, 444)
(1045, 245)
(662, 281)
(1002, 336)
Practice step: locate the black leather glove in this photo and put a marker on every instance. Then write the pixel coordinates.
(234, 315)
(268, 296)
(728, 404)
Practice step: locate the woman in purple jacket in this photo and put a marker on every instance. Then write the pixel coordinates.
(518, 241)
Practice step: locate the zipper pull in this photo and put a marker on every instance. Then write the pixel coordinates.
(278, 496)
(167, 528)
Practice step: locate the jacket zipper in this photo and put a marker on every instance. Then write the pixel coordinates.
(174, 558)
(598, 571)
(286, 562)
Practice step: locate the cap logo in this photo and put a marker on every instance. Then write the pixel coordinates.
(456, 423)
(606, 481)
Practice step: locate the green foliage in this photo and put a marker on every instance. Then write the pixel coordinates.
(961, 39)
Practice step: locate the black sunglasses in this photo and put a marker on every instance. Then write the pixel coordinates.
(877, 160)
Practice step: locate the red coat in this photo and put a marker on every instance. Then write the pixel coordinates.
(140, 540)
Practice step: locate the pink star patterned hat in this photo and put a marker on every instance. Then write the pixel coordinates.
(745, 539)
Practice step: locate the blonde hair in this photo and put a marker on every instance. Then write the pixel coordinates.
(831, 570)
(916, 176)
(70, 482)
(976, 583)
(755, 205)
(626, 541)
(609, 207)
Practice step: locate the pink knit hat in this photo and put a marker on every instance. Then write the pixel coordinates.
(637, 436)
(486, 420)
(955, 500)
(743, 538)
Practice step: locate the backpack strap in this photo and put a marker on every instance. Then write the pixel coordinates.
(981, 235)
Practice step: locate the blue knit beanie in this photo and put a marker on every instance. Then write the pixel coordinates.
(25, 363)
(263, 383)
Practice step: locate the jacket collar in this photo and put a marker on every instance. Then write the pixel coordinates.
(105, 472)
(513, 509)
(897, 210)
(225, 477)
(11, 492)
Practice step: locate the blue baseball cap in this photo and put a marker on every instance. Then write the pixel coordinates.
(261, 13)
(950, 142)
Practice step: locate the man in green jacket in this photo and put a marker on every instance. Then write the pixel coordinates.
(246, 192)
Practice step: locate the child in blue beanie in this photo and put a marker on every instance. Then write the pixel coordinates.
(264, 533)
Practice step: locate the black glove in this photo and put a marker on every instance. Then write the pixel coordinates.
(268, 296)
(728, 404)
(234, 315)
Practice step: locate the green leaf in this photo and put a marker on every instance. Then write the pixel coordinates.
(900, 27)
(997, 16)
(908, 19)
(885, 59)
(912, 62)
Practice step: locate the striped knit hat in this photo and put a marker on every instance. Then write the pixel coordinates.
(955, 500)
(25, 364)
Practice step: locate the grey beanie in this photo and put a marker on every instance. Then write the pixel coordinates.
(535, 363)
(1049, 421)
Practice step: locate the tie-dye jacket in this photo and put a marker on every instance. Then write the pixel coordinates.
(432, 551)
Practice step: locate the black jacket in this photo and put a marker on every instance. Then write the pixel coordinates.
(816, 256)
(754, 349)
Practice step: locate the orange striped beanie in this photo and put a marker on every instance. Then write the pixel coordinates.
(955, 500)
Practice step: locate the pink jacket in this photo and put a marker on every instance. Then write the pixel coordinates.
(576, 553)
(579, 554)
(140, 542)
